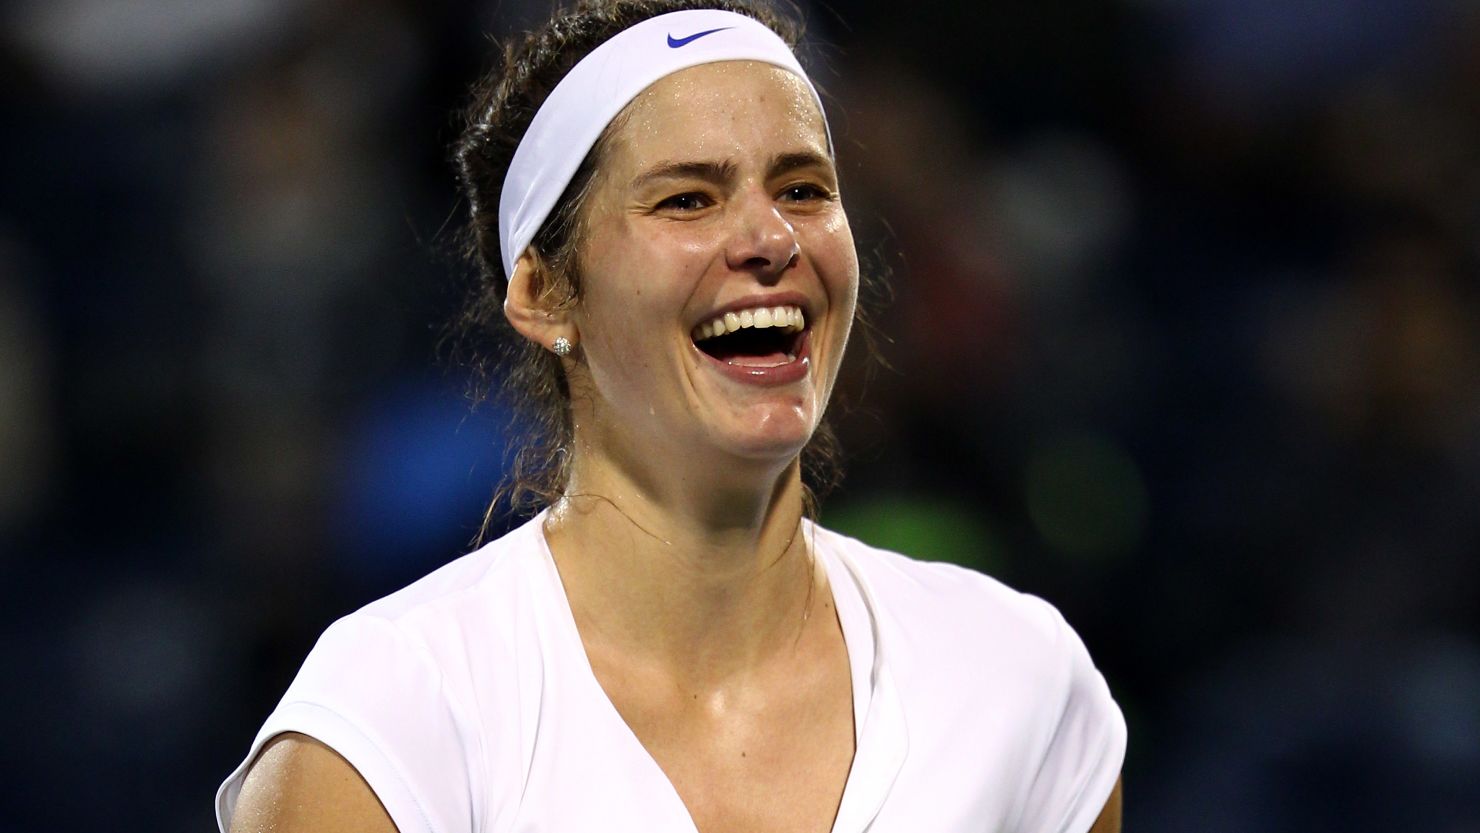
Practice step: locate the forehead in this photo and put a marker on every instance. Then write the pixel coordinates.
(719, 111)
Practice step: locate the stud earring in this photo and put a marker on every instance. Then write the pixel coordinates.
(561, 346)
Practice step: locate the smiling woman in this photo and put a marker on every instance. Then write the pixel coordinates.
(498, 118)
(669, 644)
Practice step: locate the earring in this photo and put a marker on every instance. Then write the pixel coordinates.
(561, 346)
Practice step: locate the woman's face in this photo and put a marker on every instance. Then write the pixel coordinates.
(715, 199)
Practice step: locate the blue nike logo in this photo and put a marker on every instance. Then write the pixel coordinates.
(674, 43)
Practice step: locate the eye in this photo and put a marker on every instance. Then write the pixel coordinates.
(804, 192)
(690, 201)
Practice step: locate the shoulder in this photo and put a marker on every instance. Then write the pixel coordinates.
(445, 643)
(469, 607)
(927, 600)
(396, 688)
(447, 638)
(985, 667)
(494, 574)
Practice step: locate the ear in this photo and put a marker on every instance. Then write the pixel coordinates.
(530, 309)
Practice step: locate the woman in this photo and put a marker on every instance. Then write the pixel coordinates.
(670, 645)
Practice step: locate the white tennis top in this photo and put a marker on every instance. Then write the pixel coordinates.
(467, 704)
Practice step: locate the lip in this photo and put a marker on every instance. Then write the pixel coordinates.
(782, 374)
(766, 299)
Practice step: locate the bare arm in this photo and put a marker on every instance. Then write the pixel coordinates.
(299, 785)
(1109, 820)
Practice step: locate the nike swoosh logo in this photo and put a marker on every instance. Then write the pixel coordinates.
(674, 43)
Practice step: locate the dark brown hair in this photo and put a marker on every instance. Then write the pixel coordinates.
(503, 104)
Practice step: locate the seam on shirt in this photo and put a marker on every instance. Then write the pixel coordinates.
(1076, 803)
(1067, 686)
(460, 715)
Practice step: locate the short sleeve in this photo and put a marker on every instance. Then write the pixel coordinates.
(376, 697)
(1084, 751)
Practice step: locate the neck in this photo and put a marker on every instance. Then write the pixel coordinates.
(703, 579)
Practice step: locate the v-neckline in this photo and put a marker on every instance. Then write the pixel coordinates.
(880, 735)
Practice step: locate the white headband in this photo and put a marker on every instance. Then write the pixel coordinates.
(599, 86)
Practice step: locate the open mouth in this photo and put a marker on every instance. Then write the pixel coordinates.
(758, 337)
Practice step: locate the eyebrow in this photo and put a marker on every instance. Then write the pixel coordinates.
(714, 172)
(788, 162)
(720, 172)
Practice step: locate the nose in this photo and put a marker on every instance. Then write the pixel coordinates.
(763, 241)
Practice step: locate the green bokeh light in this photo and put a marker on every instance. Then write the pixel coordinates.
(1086, 496)
(928, 529)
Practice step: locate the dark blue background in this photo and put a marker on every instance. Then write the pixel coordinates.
(1183, 339)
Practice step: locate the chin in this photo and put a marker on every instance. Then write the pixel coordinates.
(769, 434)
(776, 446)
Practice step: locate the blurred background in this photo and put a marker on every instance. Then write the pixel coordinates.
(1183, 338)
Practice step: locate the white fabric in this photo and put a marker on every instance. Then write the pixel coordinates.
(596, 89)
(467, 703)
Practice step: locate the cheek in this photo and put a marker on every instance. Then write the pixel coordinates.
(837, 262)
(630, 311)
(619, 327)
(610, 290)
(641, 284)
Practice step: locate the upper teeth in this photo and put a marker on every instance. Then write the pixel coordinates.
(758, 317)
